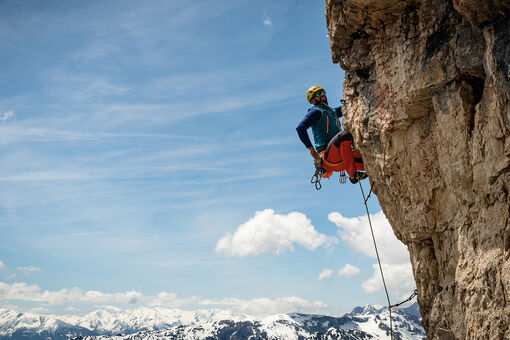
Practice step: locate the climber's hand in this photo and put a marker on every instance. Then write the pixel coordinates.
(314, 154)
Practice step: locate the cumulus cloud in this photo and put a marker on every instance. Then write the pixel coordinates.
(265, 306)
(268, 22)
(2, 266)
(39, 310)
(25, 292)
(281, 305)
(8, 115)
(355, 232)
(270, 233)
(28, 270)
(348, 271)
(260, 306)
(172, 300)
(72, 309)
(326, 274)
(399, 279)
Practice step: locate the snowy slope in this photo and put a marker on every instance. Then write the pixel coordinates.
(158, 323)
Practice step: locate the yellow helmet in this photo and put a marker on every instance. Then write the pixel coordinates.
(311, 91)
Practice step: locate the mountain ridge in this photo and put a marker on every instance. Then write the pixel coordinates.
(368, 322)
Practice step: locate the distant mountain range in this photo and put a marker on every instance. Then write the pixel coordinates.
(367, 322)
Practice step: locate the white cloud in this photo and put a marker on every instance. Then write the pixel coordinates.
(2, 266)
(326, 274)
(84, 86)
(72, 309)
(8, 115)
(355, 232)
(268, 22)
(265, 306)
(39, 310)
(270, 233)
(348, 271)
(25, 292)
(30, 269)
(398, 277)
(172, 300)
(280, 305)
(260, 306)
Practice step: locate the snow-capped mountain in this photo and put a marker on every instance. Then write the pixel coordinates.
(367, 322)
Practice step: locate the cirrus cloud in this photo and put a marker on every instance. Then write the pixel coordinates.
(270, 233)
(29, 269)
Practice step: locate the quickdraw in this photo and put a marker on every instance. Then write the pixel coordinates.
(319, 171)
(317, 176)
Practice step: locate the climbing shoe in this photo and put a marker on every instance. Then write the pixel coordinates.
(361, 175)
(358, 176)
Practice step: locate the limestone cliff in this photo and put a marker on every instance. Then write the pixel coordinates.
(427, 92)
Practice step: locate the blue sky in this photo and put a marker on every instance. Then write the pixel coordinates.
(149, 157)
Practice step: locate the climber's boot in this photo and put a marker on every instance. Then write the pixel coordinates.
(357, 176)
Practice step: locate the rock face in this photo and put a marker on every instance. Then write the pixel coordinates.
(427, 90)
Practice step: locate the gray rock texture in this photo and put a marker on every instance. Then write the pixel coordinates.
(427, 90)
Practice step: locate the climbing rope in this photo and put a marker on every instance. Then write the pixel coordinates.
(369, 193)
(390, 306)
(377, 253)
(316, 179)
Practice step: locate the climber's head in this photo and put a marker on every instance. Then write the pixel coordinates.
(316, 95)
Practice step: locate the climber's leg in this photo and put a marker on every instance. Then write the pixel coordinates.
(348, 157)
(358, 162)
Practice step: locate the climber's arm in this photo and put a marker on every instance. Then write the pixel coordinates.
(312, 117)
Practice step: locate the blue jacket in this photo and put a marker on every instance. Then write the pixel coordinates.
(324, 123)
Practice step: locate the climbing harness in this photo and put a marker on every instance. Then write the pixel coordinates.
(390, 306)
(318, 175)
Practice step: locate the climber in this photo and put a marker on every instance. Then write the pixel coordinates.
(333, 147)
